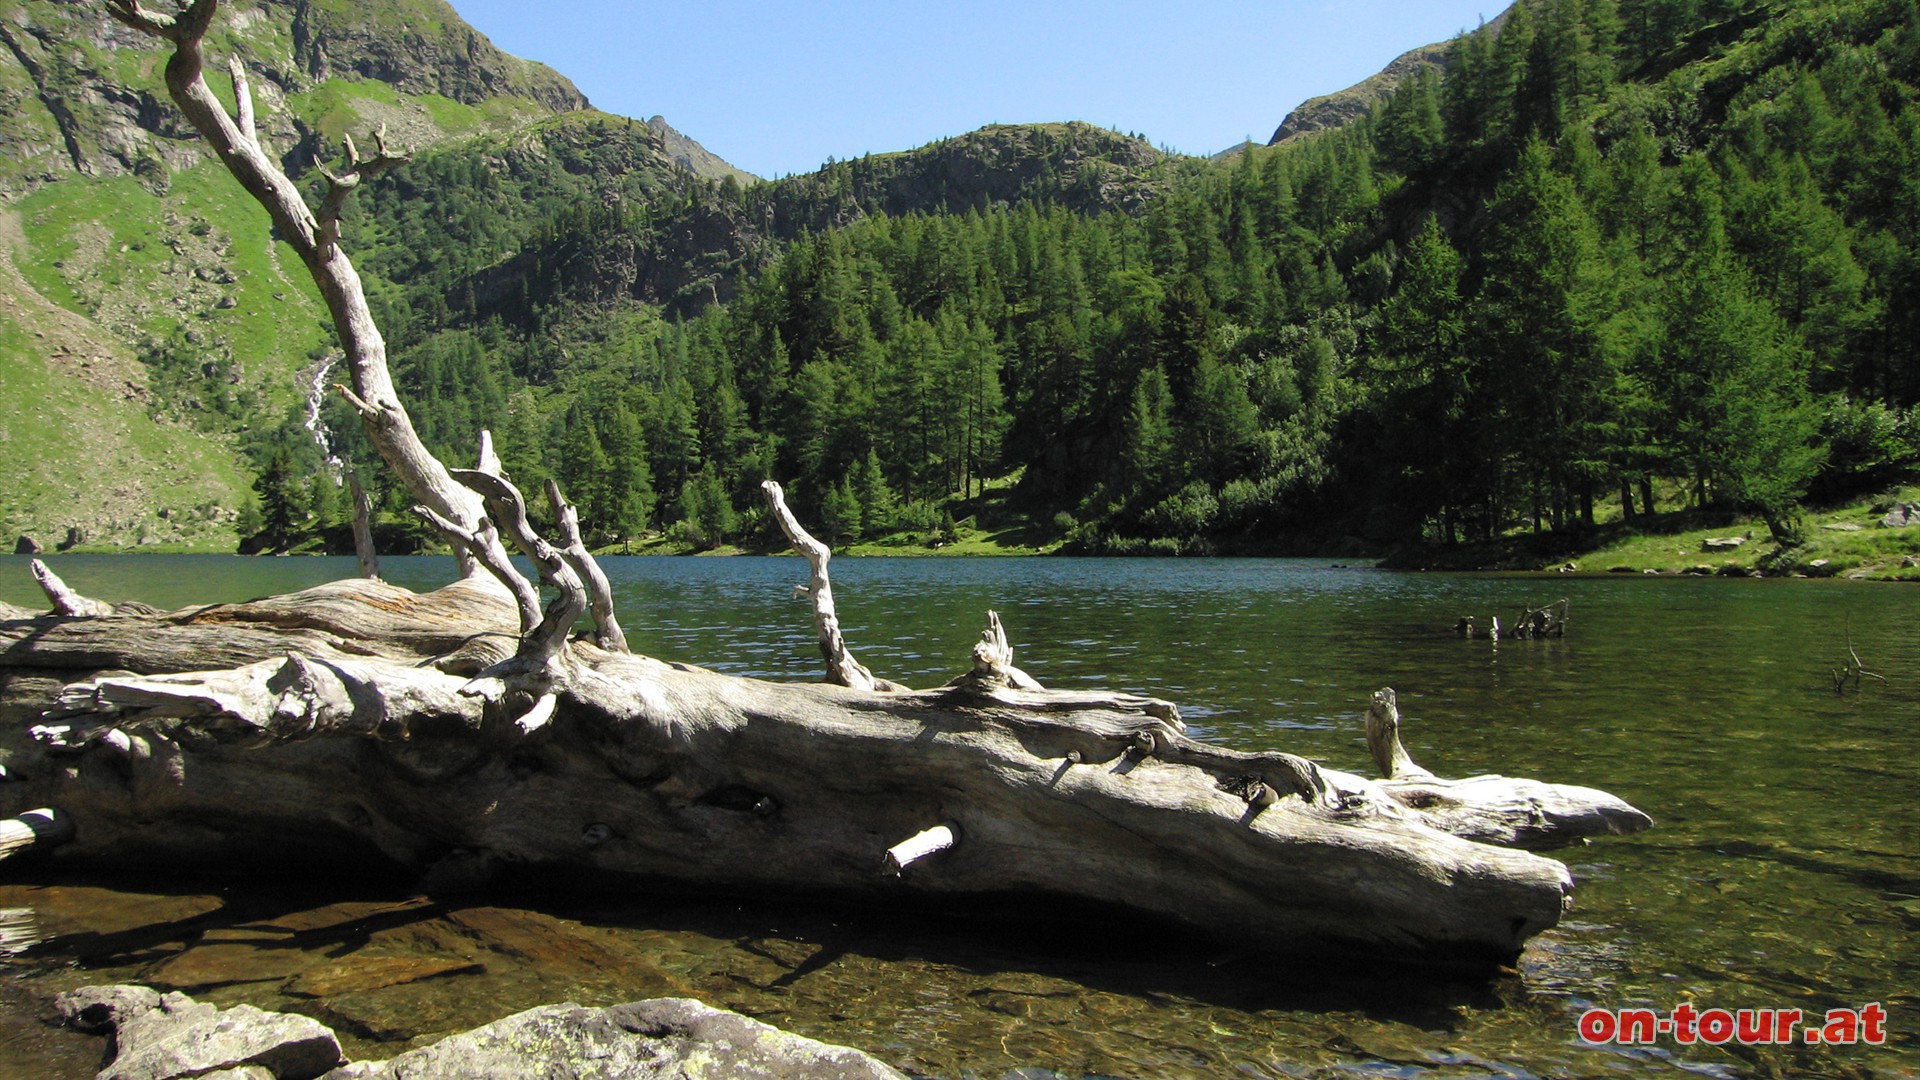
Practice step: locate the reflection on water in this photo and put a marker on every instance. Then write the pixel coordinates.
(1784, 869)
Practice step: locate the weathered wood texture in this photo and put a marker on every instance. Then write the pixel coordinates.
(357, 747)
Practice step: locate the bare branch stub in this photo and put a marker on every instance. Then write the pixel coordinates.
(508, 508)
(242, 100)
(1383, 738)
(574, 550)
(488, 459)
(842, 668)
(64, 599)
(363, 528)
(993, 658)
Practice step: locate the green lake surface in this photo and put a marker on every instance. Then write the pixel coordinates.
(1783, 870)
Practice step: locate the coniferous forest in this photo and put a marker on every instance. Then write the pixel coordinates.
(1615, 258)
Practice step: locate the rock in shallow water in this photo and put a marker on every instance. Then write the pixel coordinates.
(676, 1038)
(164, 1036)
(168, 1036)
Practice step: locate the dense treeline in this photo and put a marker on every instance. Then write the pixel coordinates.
(1620, 254)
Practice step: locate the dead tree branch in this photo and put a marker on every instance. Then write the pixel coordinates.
(574, 550)
(311, 236)
(242, 100)
(842, 668)
(482, 544)
(505, 505)
(1852, 671)
(1383, 739)
(363, 528)
(66, 601)
(340, 185)
(993, 659)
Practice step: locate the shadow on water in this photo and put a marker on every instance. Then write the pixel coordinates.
(1002, 973)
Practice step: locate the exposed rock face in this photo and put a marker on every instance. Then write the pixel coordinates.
(420, 47)
(168, 1036)
(1344, 106)
(65, 110)
(693, 157)
(164, 1036)
(667, 1038)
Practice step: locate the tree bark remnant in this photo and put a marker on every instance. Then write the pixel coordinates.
(363, 528)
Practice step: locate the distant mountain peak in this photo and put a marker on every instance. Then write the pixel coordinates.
(693, 157)
(1344, 106)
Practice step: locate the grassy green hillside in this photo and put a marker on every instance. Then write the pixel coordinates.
(82, 448)
(150, 328)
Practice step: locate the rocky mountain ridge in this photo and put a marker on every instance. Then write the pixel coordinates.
(1362, 98)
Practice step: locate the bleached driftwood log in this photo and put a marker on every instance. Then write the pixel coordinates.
(376, 751)
(1493, 809)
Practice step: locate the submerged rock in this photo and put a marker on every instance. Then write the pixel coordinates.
(676, 1038)
(168, 1036)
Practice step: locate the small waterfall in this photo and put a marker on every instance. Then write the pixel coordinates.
(317, 427)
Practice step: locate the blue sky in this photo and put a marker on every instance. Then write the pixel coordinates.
(778, 88)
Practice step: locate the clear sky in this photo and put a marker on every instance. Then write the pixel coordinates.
(778, 88)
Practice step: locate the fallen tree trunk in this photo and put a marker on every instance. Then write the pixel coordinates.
(378, 746)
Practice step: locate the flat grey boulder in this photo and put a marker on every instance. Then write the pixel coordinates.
(168, 1036)
(662, 1039)
(171, 1037)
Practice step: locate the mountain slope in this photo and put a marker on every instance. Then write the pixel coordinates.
(693, 157)
(74, 418)
(128, 250)
(1362, 98)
